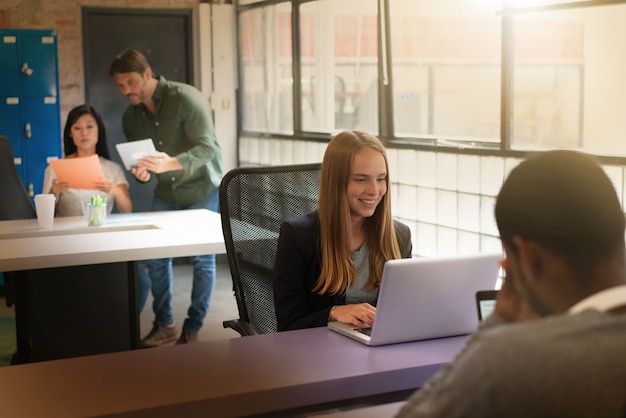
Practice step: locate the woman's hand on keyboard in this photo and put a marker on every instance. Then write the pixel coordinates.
(359, 314)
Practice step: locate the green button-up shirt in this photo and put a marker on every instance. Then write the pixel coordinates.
(182, 127)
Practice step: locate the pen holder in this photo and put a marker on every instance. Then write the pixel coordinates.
(96, 214)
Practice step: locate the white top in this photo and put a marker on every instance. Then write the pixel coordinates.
(602, 301)
(74, 201)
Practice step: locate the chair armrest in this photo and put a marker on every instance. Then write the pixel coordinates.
(242, 327)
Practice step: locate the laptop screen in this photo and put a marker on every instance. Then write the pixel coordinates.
(485, 302)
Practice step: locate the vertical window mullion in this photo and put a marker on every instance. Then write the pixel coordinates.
(296, 71)
(385, 96)
(506, 105)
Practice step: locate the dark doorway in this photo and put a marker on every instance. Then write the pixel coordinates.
(164, 36)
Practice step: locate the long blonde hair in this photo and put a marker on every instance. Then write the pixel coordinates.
(338, 271)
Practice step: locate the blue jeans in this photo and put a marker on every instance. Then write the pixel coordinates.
(144, 285)
(162, 278)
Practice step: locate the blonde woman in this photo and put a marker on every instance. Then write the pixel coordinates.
(329, 262)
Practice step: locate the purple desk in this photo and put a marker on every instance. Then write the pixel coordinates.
(256, 375)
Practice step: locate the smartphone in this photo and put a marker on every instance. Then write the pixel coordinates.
(485, 303)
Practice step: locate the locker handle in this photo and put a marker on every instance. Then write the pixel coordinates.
(28, 131)
(26, 70)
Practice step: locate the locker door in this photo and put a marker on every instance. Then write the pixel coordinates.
(10, 97)
(40, 117)
(38, 63)
(10, 127)
(41, 125)
(9, 87)
(33, 180)
(10, 123)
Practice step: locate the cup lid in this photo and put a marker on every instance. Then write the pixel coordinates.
(45, 196)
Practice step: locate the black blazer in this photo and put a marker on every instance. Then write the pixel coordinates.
(297, 268)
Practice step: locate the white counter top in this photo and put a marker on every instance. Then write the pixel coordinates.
(125, 237)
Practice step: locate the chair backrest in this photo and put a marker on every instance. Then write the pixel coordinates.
(14, 200)
(254, 201)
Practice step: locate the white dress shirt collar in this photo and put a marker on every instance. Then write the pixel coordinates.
(603, 301)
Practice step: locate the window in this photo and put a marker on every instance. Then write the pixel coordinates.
(568, 80)
(446, 69)
(503, 74)
(244, 2)
(339, 65)
(266, 69)
(526, 4)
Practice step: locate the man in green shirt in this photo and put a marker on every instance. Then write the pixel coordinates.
(188, 167)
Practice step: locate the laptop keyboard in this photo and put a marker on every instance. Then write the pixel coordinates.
(366, 331)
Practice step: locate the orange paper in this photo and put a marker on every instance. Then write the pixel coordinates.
(79, 172)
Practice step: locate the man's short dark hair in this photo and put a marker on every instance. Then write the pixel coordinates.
(129, 61)
(564, 201)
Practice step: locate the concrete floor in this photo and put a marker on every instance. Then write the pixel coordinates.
(223, 305)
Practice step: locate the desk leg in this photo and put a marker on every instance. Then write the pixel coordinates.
(133, 308)
(21, 317)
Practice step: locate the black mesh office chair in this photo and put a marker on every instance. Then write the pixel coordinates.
(14, 202)
(254, 201)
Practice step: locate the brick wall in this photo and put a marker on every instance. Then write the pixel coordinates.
(65, 17)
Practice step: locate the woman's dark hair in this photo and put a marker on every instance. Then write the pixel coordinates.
(68, 143)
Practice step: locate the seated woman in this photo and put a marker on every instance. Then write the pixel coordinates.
(84, 135)
(329, 262)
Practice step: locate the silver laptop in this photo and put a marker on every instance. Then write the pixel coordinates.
(424, 298)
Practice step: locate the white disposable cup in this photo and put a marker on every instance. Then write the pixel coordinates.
(44, 204)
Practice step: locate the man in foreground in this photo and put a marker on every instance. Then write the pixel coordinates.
(555, 345)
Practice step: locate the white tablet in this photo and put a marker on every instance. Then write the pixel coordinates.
(133, 151)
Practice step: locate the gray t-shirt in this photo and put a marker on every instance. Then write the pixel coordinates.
(357, 293)
(560, 366)
(74, 201)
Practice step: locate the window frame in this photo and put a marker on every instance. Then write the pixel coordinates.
(385, 85)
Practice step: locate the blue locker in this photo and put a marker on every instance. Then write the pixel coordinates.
(38, 57)
(10, 113)
(42, 134)
(29, 101)
(9, 78)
